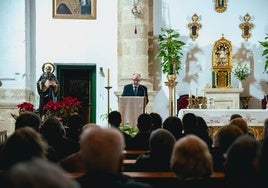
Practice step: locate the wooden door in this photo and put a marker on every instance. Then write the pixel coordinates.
(79, 81)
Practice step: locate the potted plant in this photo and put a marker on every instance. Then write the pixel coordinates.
(170, 51)
(265, 52)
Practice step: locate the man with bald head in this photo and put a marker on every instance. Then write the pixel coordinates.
(102, 153)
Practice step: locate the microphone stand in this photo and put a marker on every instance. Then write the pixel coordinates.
(144, 100)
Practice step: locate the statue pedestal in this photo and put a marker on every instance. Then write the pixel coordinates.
(224, 98)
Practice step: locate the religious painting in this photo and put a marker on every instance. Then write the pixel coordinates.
(74, 9)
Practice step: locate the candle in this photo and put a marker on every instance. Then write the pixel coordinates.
(108, 77)
(190, 94)
(196, 92)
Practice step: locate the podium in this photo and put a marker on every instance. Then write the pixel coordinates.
(130, 108)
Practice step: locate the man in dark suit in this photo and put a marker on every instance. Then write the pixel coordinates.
(136, 89)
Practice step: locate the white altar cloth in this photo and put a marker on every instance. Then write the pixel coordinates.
(220, 117)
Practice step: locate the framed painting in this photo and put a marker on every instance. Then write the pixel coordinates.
(74, 9)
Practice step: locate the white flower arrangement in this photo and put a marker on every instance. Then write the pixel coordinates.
(241, 72)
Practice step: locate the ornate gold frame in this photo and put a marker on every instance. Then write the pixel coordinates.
(194, 27)
(74, 9)
(220, 5)
(222, 63)
(246, 27)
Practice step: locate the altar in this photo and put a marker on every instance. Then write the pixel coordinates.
(219, 117)
(224, 98)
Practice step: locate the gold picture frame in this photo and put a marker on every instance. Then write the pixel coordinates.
(194, 26)
(74, 9)
(220, 5)
(246, 27)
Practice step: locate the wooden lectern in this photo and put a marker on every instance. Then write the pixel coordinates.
(130, 108)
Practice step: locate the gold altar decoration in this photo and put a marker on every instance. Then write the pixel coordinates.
(194, 27)
(171, 83)
(222, 63)
(257, 131)
(246, 27)
(220, 5)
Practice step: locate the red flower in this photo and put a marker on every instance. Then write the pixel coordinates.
(62, 108)
(25, 106)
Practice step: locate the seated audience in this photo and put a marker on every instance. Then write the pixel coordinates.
(222, 140)
(37, 173)
(102, 152)
(242, 124)
(265, 133)
(54, 134)
(156, 121)
(28, 119)
(189, 122)
(141, 140)
(203, 131)
(191, 159)
(158, 157)
(174, 125)
(23, 145)
(233, 116)
(241, 163)
(115, 119)
(74, 127)
(263, 162)
(73, 162)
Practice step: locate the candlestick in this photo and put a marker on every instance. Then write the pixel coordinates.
(108, 77)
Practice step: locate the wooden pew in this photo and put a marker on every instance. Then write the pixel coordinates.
(133, 154)
(129, 165)
(169, 180)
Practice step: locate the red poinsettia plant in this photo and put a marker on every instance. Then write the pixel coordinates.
(25, 107)
(67, 106)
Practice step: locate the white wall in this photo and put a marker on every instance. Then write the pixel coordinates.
(12, 43)
(73, 41)
(177, 14)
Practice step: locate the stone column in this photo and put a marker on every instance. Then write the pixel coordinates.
(133, 48)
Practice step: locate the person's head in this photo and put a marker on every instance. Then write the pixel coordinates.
(191, 158)
(265, 132)
(144, 122)
(233, 116)
(174, 125)
(189, 121)
(52, 130)
(37, 173)
(241, 123)
(28, 119)
(24, 144)
(263, 162)
(241, 162)
(161, 142)
(202, 125)
(156, 121)
(102, 150)
(114, 118)
(225, 136)
(136, 78)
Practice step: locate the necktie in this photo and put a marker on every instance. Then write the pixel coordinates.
(135, 90)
